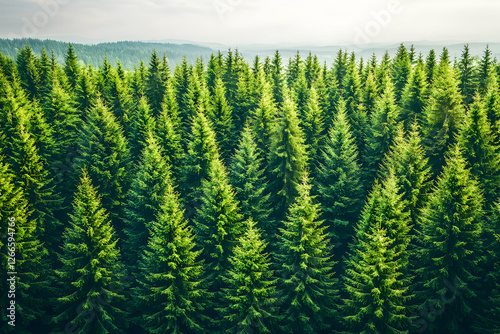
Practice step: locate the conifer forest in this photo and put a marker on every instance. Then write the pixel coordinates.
(268, 196)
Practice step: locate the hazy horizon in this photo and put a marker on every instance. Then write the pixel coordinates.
(233, 22)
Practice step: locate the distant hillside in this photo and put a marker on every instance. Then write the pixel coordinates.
(129, 53)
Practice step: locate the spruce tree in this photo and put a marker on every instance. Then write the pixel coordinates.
(313, 125)
(338, 181)
(250, 184)
(468, 76)
(218, 226)
(307, 287)
(89, 280)
(146, 192)
(201, 150)
(18, 234)
(102, 148)
(28, 71)
(170, 292)
(71, 67)
(480, 150)
(382, 130)
(442, 116)
(278, 80)
(414, 97)
(287, 158)
(263, 119)
(450, 249)
(222, 120)
(141, 123)
(155, 83)
(401, 69)
(377, 291)
(250, 301)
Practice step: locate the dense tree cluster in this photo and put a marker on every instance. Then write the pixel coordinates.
(231, 197)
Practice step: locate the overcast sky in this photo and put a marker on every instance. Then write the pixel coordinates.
(237, 22)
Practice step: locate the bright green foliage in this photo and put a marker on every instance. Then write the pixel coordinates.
(293, 70)
(18, 234)
(450, 249)
(232, 66)
(313, 126)
(138, 81)
(383, 72)
(28, 72)
(353, 96)
(89, 295)
(201, 150)
(222, 121)
(71, 67)
(492, 107)
(339, 181)
(301, 94)
(370, 93)
(156, 80)
(287, 158)
(22, 150)
(430, 65)
(250, 293)
(377, 291)
(386, 209)
(486, 72)
(443, 114)
(102, 148)
(340, 66)
(250, 184)
(197, 98)
(170, 294)
(480, 150)
(246, 99)
(333, 97)
(169, 139)
(214, 71)
(64, 117)
(263, 118)
(382, 130)
(150, 182)
(306, 287)
(401, 69)
(86, 91)
(122, 104)
(218, 225)
(468, 76)
(415, 95)
(278, 79)
(406, 159)
(141, 123)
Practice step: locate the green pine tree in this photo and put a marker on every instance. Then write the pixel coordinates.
(377, 291)
(339, 181)
(89, 295)
(287, 158)
(249, 181)
(250, 301)
(144, 198)
(222, 120)
(307, 287)
(170, 293)
(415, 95)
(450, 250)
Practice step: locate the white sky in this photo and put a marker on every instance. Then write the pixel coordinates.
(237, 22)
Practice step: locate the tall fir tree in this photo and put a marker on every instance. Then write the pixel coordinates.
(71, 67)
(338, 182)
(414, 97)
(89, 297)
(480, 150)
(103, 149)
(442, 115)
(247, 176)
(313, 126)
(377, 290)
(222, 120)
(263, 118)
(287, 158)
(250, 298)
(170, 292)
(468, 75)
(152, 177)
(307, 287)
(450, 250)
(22, 252)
